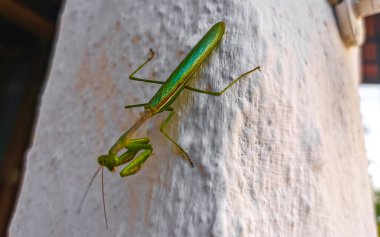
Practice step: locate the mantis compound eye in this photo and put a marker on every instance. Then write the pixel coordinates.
(107, 161)
(103, 160)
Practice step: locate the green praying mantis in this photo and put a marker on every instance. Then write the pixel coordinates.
(137, 151)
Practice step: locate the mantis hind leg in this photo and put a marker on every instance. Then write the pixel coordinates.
(218, 93)
(163, 126)
(132, 76)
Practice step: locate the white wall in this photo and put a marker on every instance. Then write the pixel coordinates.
(280, 154)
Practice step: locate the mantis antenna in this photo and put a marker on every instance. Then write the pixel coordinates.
(87, 188)
(104, 203)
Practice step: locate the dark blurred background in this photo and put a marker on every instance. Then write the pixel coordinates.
(27, 29)
(371, 51)
(27, 33)
(370, 83)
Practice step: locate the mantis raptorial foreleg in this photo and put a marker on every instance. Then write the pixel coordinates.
(133, 147)
(136, 164)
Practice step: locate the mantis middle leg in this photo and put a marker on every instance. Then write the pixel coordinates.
(163, 126)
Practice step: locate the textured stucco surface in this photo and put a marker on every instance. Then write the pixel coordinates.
(280, 154)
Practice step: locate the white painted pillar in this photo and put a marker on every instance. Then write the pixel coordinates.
(280, 154)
